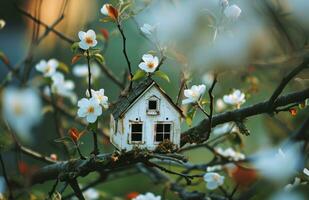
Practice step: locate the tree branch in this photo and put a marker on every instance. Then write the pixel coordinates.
(285, 81)
(59, 34)
(196, 134)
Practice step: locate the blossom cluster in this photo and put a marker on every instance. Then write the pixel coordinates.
(59, 85)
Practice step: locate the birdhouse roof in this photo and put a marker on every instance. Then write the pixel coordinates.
(138, 88)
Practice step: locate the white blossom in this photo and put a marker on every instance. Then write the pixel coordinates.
(306, 171)
(224, 128)
(214, 168)
(220, 105)
(149, 63)
(91, 194)
(147, 196)
(22, 109)
(194, 94)
(148, 29)
(232, 12)
(87, 39)
(48, 68)
(99, 96)
(236, 98)
(213, 180)
(277, 165)
(297, 181)
(82, 71)
(89, 108)
(104, 9)
(230, 153)
(2, 23)
(208, 79)
(63, 87)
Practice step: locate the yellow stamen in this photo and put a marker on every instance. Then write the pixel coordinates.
(90, 109)
(150, 65)
(88, 40)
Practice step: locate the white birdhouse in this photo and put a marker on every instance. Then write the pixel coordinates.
(144, 118)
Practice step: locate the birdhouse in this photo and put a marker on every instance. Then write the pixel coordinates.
(144, 118)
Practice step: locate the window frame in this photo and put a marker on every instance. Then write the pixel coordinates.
(130, 134)
(163, 131)
(153, 111)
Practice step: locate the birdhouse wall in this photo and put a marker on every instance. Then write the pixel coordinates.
(137, 114)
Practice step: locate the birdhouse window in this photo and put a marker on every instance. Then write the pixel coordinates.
(153, 106)
(136, 132)
(163, 132)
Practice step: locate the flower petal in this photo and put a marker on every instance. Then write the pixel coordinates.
(83, 45)
(147, 58)
(91, 118)
(91, 33)
(81, 35)
(143, 66)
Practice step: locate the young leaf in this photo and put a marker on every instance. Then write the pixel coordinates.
(4, 58)
(138, 74)
(63, 67)
(190, 116)
(106, 19)
(99, 58)
(63, 139)
(75, 47)
(162, 75)
(76, 58)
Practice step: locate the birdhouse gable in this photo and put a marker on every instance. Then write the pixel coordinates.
(147, 118)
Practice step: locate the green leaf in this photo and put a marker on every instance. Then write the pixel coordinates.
(75, 47)
(47, 109)
(162, 75)
(152, 52)
(99, 58)
(190, 115)
(63, 139)
(138, 75)
(106, 19)
(63, 67)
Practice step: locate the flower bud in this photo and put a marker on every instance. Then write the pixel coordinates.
(74, 134)
(110, 11)
(53, 156)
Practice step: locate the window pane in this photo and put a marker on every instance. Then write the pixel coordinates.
(136, 137)
(159, 128)
(152, 105)
(167, 128)
(159, 137)
(167, 136)
(137, 128)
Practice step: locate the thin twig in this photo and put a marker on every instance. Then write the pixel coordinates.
(78, 193)
(124, 50)
(59, 34)
(285, 81)
(52, 191)
(56, 119)
(211, 105)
